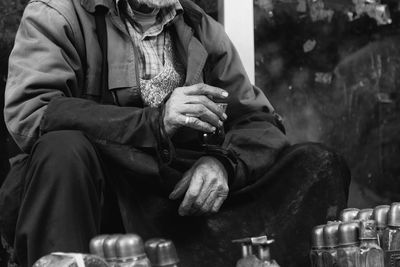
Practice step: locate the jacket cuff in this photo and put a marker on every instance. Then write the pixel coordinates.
(227, 158)
(165, 150)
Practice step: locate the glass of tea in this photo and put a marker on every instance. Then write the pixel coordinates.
(217, 137)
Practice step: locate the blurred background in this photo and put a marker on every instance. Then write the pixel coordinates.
(331, 68)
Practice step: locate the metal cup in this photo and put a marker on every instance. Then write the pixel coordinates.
(96, 245)
(161, 252)
(317, 237)
(394, 215)
(348, 233)
(129, 246)
(380, 215)
(349, 214)
(110, 253)
(365, 214)
(368, 230)
(331, 235)
(151, 249)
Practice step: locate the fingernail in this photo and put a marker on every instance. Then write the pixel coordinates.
(213, 129)
(220, 123)
(224, 94)
(224, 116)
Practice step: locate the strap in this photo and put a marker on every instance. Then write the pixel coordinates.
(101, 31)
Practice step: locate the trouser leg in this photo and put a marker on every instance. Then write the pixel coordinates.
(61, 204)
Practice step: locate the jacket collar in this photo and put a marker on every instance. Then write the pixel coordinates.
(90, 5)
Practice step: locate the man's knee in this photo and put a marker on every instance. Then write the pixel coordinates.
(62, 146)
(319, 156)
(323, 164)
(63, 156)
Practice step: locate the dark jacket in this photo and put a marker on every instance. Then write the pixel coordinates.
(54, 84)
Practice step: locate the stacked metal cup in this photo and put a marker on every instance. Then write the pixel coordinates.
(130, 252)
(317, 246)
(365, 214)
(380, 216)
(391, 235)
(331, 242)
(110, 253)
(371, 254)
(348, 252)
(162, 253)
(348, 215)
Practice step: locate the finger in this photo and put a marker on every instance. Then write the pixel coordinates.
(206, 190)
(204, 89)
(208, 204)
(215, 108)
(218, 203)
(202, 112)
(197, 124)
(182, 186)
(191, 195)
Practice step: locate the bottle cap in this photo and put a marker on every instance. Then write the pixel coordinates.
(161, 252)
(331, 234)
(368, 230)
(348, 233)
(96, 245)
(394, 215)
(129, 246)
(317, 237)
(109, 247)
(349, 214)
(365, 214)
(380, 215)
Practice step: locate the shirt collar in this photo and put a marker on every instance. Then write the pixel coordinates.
(122, 5)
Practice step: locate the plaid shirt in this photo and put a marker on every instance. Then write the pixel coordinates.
(152, 42)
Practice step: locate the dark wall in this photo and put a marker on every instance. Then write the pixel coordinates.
(10, 13)
(333, 71)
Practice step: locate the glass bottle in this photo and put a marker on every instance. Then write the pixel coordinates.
(331, 242)
(371, 254)
(317, 246)
(264, 253)
(248, 259)
(348, 252)
(380, 217)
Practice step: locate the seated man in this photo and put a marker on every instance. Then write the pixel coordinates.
(111, 100)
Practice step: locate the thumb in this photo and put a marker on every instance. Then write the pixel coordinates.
(181, 187)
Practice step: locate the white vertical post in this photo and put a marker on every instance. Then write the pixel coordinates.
(238, 19)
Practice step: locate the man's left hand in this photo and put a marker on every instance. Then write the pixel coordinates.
(205, 187)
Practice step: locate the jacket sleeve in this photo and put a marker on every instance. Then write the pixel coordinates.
(45, 81)
(252, 132)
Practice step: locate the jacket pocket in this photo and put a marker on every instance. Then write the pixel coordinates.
(124, 85)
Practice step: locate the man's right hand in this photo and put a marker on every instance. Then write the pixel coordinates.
(192, 107)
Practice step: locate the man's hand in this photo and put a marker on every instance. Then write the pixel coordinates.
(192, 107)
(206, 187)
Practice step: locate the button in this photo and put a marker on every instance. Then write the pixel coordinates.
(165, 154)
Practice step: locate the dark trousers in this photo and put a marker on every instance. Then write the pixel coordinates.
(67, 196)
